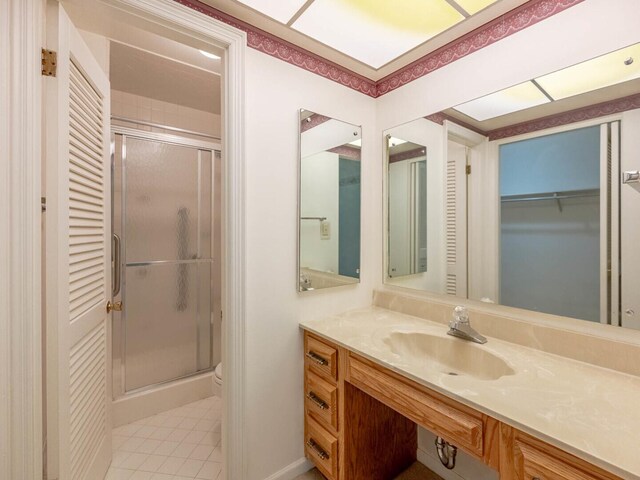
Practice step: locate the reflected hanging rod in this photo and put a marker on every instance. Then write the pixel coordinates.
(551, 196)
(322, 219)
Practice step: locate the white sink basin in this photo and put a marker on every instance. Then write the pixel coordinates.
(451, 356)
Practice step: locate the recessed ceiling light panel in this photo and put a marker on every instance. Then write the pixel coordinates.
(210, 55)
(376, 32)
(600, 72)
(281, 10)
(474, 6)
(505, 101)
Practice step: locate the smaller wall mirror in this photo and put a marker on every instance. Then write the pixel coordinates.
(328, 203)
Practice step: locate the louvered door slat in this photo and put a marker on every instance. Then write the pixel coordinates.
(450, 222)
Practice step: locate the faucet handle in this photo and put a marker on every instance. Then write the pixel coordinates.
(461, 314)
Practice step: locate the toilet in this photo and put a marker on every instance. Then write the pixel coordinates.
(217, 374)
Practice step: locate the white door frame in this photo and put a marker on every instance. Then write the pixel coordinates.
(185, 20)
(21, 38)
(21, 24)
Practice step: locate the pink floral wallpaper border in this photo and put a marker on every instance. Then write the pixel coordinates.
(514, 21)
(414, 153)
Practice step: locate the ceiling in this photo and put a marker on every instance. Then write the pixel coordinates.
(373, 38)
(139, 72)
(602, 79)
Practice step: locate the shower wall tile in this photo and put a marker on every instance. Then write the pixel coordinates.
(150, 110)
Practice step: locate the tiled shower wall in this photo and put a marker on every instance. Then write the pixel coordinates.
(147, 109)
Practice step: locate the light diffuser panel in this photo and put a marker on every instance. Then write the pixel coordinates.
(281, 10)
(505, 101)
(604, 71)
(376, 32)
(474, 6)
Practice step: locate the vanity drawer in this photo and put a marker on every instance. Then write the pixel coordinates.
(321, 400)
(320, 357)
(321, 448)
(536, 460)
(455, 423)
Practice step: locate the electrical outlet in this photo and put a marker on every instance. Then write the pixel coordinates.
(325, 230)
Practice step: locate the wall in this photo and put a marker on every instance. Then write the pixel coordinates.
(275, 91)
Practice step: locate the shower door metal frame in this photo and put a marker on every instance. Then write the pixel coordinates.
(119, 375)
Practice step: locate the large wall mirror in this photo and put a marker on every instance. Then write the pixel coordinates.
(528, 197)
(329, 202)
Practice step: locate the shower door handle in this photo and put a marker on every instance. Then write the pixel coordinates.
(116, 265)
(631, 176)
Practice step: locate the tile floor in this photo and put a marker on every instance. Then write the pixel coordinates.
(180, 444)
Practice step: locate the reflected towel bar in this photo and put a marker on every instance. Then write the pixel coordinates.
(322, 219)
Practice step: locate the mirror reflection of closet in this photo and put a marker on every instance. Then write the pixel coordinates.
(553, 219)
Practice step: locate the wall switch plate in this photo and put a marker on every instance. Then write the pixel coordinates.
(325, 230)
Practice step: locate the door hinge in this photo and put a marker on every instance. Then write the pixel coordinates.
(43, 204)
(468, 169)
(49, 63)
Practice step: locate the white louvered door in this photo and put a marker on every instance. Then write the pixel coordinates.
(456, 219)
(78, 258)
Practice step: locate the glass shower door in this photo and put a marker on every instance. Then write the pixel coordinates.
(165, 224)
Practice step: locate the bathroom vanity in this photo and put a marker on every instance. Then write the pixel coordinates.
(373, 375)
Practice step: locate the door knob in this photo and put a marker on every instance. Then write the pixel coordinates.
(115, 306)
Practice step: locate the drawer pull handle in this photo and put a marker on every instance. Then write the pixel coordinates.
(317, 450)
(317, 358)
(317, 401)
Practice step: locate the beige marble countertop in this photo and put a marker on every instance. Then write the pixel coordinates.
(589, 411)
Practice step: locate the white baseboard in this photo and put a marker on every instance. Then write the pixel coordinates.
(131, 408)
(292, 471)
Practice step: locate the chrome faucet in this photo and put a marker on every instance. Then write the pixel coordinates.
(461, 327)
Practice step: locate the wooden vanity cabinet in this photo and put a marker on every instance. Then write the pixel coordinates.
(349, 434)
(360, 424)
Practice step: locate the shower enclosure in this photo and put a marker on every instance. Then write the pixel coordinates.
(166, 258)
